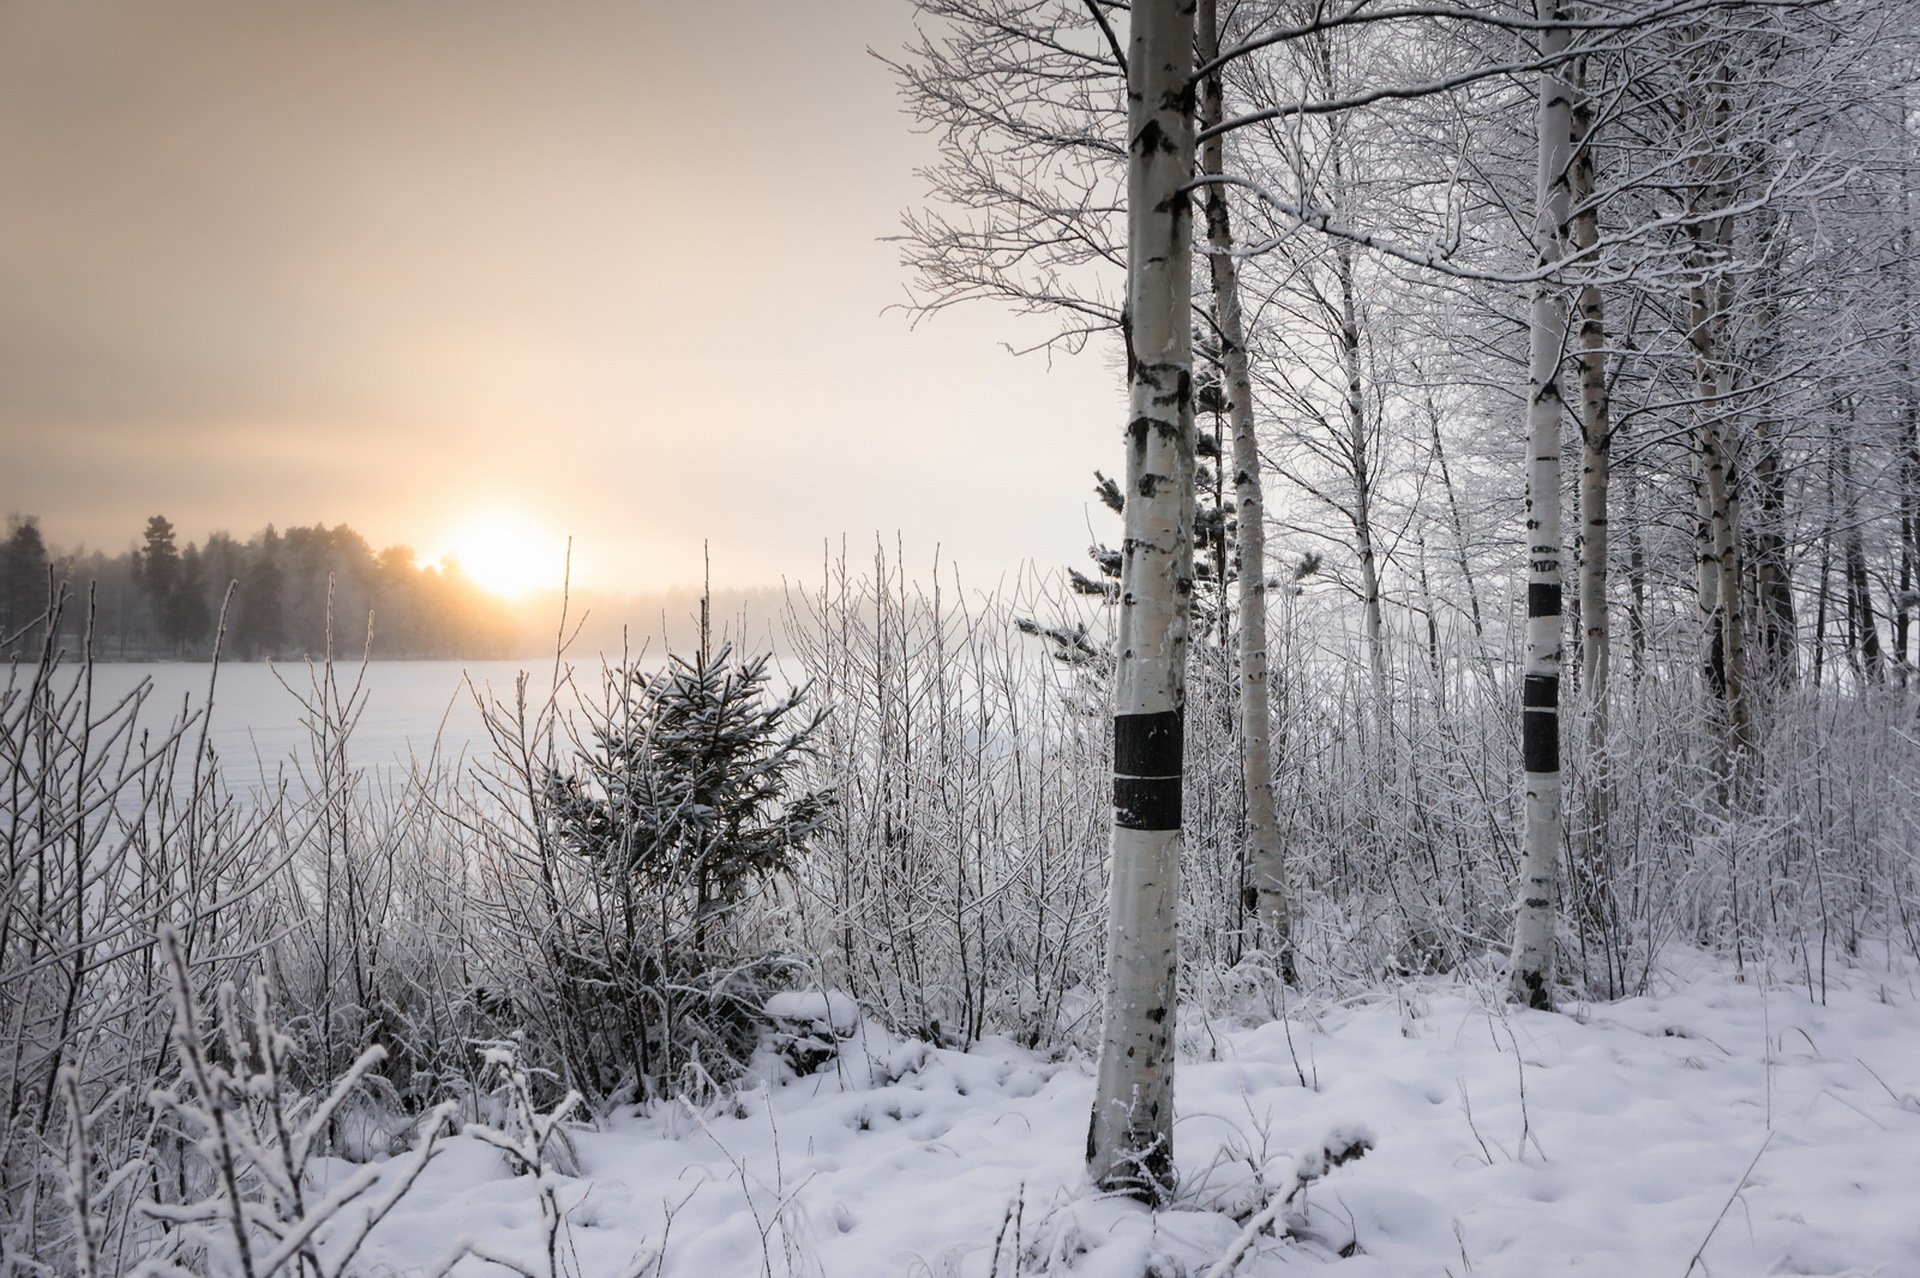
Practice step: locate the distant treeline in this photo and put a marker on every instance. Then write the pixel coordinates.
(285, 590)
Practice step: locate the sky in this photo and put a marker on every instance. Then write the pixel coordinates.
(442, 270)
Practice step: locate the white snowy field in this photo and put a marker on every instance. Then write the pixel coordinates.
(1723, 1126)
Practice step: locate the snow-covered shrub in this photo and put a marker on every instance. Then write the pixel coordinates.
(246, 1143)
(808, 1027)
(957, 888)
(113, 817)
(685, 801)
(533, 1141)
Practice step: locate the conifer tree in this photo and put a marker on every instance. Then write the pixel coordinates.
(23, 580)
(685, 800)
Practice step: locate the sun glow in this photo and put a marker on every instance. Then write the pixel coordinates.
(507, 554)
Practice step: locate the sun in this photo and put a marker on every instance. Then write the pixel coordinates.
(508, 554)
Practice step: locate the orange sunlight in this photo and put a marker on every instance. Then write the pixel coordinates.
(507, 554)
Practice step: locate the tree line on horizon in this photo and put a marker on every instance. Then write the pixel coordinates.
(282, 593)
(293, 588)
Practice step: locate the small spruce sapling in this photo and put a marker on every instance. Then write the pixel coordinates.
(687, 798)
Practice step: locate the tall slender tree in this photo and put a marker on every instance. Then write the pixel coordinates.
(1531, 972)
(1130, 1138)
(1266, 858)
(158, 571)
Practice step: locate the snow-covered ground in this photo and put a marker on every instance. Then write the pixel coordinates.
(1722, 1126)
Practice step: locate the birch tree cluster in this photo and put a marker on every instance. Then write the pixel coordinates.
(1448, 251)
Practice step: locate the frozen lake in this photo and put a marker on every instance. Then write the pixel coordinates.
(259, 724)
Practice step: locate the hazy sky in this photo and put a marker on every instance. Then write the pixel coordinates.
(615, 267)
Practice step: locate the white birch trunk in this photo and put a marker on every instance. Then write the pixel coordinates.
(1706, 563)
(1596, 441)
(1772, 580)
(1716, 548)
(1360, 455)
(1531, 972)
(1596, 451)
(1267, 862)
(1130, 1140)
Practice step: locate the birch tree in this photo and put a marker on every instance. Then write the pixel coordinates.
(1710, 238)
(1532, 968)
(1596, 428)
(1266, 857)
(1130, 1139)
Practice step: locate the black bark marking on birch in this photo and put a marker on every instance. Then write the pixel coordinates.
(1543, 599)
(1152, 138)
(1540, 724)
(1536, 987)
(1146, 803)
(1149, 745)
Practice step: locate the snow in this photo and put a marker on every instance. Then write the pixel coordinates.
(1771, 1131)
(821, 1010)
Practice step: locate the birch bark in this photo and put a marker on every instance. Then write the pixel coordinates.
(1360, 453)
(1773, 612)
(1596, 455)
(1596, 435)
(1636, 575)
(1716, 547)
(1531, 971)
(1910, 423)
(1130, 1138)
(1267, 860)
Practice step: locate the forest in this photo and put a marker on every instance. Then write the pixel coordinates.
(1462, 820)
(279, 594)
(303, 593)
